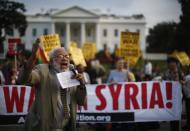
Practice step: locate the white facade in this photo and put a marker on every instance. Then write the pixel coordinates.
(81, 25)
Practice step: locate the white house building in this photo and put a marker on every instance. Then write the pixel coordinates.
(81, 25)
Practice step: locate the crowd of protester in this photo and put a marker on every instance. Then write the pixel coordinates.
(107, 68)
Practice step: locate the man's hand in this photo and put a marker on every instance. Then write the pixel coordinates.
(80, 78)
(28, 66)
(31, 61)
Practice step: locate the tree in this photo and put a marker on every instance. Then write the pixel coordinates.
(183, 29)
(161, 38)
(179, 37)
(11, 17)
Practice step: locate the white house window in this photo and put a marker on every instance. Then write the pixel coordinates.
(105, 33)
(34, 32)
(88, 32)
(138, 30)
(45, 31)
(116, 33)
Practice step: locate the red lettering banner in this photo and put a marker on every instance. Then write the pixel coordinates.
(122, 102)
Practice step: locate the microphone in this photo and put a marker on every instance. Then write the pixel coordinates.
(75, 72)
(72, 68)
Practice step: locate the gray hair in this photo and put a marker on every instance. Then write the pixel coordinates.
(53, 53)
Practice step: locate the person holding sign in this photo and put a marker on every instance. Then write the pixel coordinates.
(120, 74)
(54, 108)
(174, 73)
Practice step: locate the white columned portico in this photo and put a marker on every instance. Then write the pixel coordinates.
(98, 36)
(83, 34)
(68, 34)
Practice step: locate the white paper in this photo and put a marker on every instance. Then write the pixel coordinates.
(65, 79)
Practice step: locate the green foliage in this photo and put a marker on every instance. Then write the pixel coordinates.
(167, 37)
(183, 29)
(12, 17)
(161, 38)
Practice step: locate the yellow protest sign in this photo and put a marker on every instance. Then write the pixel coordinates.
(73, 44)
(130, 52)
(89, 50)
(182, 57)
(117, 52)
(77, 56)
(129, 39)
(129, 47)
(48, 42)
(131, 61)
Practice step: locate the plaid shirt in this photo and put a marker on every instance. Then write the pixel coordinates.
(173, 75)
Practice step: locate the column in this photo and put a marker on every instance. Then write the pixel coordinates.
(83, 34)
(98, 45)
(68, 33)
(53, 28)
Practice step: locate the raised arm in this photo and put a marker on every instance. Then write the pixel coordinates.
(26, 70)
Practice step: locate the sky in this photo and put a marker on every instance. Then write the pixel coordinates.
(155, 11)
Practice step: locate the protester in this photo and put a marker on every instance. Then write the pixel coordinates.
(187, 101)
(6, 70)
(138, 74)
(96, 72)
(120, 74)
(156, 73)
(174, 73)
(115, 56)
(104, 56)
(13, 75)
(54, 109)
(148, 68)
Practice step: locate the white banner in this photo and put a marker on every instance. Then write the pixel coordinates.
(139, 101)
(15, 99)
(122, 102)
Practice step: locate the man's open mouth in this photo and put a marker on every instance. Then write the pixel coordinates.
(64, 64)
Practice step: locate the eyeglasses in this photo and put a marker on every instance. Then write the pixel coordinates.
(62, 56)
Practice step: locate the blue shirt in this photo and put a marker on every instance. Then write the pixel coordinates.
(118, 76)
